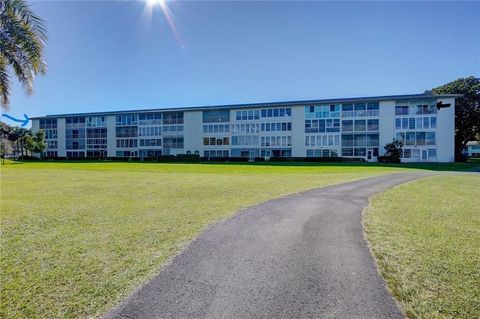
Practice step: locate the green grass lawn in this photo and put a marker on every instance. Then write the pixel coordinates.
(426, 238)
(76, 238)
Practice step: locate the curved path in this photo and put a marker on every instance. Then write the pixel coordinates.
(299, 256)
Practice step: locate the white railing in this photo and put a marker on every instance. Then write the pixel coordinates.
(361, 113)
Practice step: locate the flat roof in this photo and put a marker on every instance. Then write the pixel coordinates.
(267, 104)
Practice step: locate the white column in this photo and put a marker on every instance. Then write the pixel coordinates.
(192, 132)
(298, 131)
(445, 136)
(61, 138)
(387, 124)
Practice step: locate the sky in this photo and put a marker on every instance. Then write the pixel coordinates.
(111, 55)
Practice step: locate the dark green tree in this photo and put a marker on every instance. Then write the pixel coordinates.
(393, 151)
(17, 136)
(5, 143)
(22, 41)
(36, 143)
(467, 110)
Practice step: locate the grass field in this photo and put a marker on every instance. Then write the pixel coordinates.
(426, 238)
(78, 237)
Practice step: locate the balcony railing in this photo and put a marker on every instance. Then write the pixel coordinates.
(360, 113)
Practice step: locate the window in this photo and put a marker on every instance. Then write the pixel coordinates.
(401, 110)
(150, 142)
(420, 138)
(127, 143)
(126, 131)
(426, 109)
(127, 153)
(433, 122)
(96, 133)
(359, 140)
(48, 123)
(172, 142)
(426, 122)
(372, 106)
(360, 125)
(400, 137)
(51, 154)
(398, 123)
(245, 140)
(333, 125)
(405, 123)
(347, 140)
(410, 138)
(347, 151)
(430, 138)
(360, 152)
(150, 119)
(407, 153)
(359, 106)
(52, 144)
(276, 112)
(411, 123)
(96, 121)
(372, 125)
(432, 154)
(173, 118)
(347, 125)
(50, 134)
(149, 131)
(276, 127)
(127, 119)
(217, 116)
(75, 154)
(172, 129)
(419, 123)
(373, 140)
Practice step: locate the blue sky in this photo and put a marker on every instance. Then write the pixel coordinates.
(108, 56)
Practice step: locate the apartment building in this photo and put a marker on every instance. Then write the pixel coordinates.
(348, 127)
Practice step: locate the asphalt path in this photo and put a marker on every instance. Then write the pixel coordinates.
(299, 256)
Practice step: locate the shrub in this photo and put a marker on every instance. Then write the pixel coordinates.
(393, 152)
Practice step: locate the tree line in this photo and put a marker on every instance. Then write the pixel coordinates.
(20, 143)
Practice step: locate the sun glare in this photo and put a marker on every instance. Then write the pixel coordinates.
(152, 3)
(163, 6)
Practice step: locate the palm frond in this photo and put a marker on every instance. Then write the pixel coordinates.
(4, 83)
(22, 42)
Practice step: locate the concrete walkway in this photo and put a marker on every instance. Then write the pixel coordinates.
(299, 256)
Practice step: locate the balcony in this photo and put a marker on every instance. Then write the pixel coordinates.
(361, 113)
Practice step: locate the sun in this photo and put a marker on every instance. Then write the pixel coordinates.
(153, 3)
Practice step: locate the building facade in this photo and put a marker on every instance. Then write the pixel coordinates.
(472, 149)
(351, 127)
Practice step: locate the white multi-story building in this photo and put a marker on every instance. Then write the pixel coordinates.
(350, 127)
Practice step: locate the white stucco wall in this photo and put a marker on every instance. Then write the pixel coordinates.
(386, 124)
(193, 131)
(298, 131)
(61, 139)
(446, 132)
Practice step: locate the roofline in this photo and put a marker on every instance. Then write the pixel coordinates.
(267, 104)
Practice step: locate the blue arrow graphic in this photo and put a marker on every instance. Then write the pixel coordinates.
(24, 122)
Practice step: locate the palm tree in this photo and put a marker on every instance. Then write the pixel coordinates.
(22, 41)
